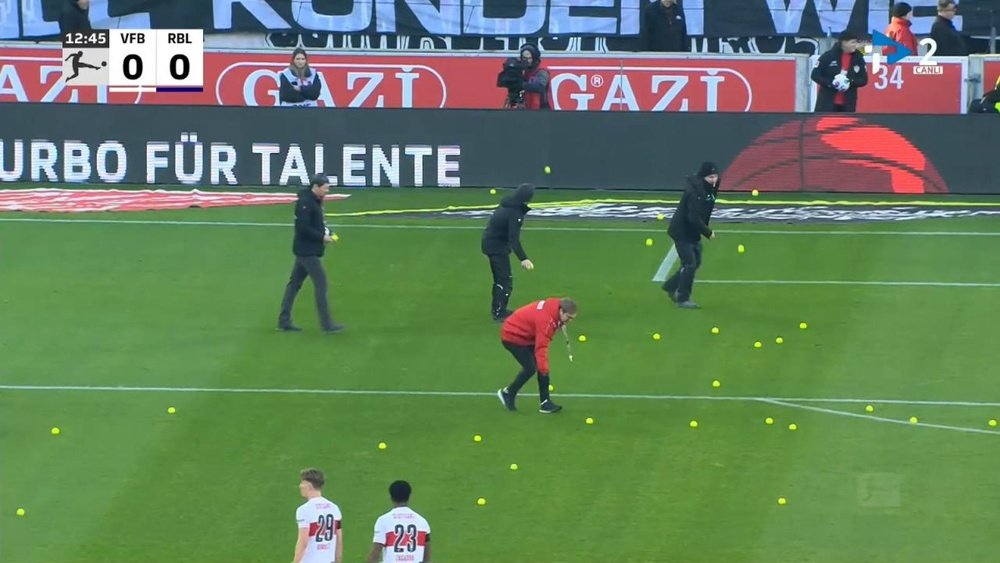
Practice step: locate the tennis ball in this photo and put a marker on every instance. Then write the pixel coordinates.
(55, 431)
(693, 424)
(741, 249)
(656, 336)
(589, 420)
(513, 467)
(716, 383)
(582, 338)
(660, 217)
(869, 408)
(803, 326)
(335, 237)
(548, 170)
(649, 242)
(914, 420)
(551, 388)
(477, 438)
(793, 427)
(782, 501)
(755, 192)
(993, 422)
(20, 512)
(758, 344)
(481, 501)
(779, 340)
(768, 420)
(382, 445)
(715, 330)
(493, 191)
(171, 410)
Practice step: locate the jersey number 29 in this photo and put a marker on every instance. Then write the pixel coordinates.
(324, 531)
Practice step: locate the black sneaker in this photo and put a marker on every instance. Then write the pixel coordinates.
(334, 328)
(506, 399)
(548, 407)
(289, 328)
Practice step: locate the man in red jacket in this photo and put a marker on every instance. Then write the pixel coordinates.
(899, 28)
(537, 94)
(526, 334)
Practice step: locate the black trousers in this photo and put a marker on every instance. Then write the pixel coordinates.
(682, 282)
(306, 267)
(503, 283)
(525, 355)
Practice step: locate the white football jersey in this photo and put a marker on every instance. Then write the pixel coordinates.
(322, 518)
(404, 533)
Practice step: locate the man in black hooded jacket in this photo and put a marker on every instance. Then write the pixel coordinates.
(687, 226)
(503, 234)
(74, 16)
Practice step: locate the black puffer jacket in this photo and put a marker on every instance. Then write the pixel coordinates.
(690, 220)
(503, 232)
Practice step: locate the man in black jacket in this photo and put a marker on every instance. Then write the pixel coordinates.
(687, 226)
(503, 234)
(662, 27)
(839, 73)
(309, 245)
(74, 16)
(949, 40)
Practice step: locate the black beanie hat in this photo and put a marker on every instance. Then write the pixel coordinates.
(707, 169)
(900, 9)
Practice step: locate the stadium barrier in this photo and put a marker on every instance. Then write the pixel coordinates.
(279, 147)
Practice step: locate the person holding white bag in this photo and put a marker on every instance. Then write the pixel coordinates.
(839, 73)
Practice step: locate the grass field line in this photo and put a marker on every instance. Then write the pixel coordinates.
(888, 283)
(479, 227)
(416, 393)
(790, 404)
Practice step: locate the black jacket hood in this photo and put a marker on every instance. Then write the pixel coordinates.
(520, 198)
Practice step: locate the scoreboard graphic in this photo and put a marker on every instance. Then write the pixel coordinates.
(135, 60)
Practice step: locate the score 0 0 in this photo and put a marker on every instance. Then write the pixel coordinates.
(164, 58)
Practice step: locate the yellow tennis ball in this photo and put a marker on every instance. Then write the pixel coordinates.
(493, 191)
(56, 431)
(382, 445)
(993, 422)
(803, 326)
(755, 192)
(779, 340)
(782, 501)
(793, 427)
(335, 237)
(768, 420)
(758, 344)
(869, 408)
(693, 424)
(656, 336)
(548, 170)
(171, 410)
(914, 420)
(582, 338)
(741, 249)
(649, 242)
(551, 388)
(513, 467)
(477, 438)
(715, 330)
(481, 501)
(20, 512)
(660, 217)
(589, 420)
(716, 383)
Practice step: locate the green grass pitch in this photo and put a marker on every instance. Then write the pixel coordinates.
(160, 305)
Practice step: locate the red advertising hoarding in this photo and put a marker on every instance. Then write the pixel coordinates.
(991, 73)
(584, 82)
(912, 88)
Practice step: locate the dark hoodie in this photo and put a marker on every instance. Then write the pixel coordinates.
(503, 232)
(73, 18)
(690, 220)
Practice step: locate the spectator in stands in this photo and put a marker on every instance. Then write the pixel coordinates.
(300, 85)
(839, 73)
(662, 27)
(537, 93)
(989, 103)
(75, 16)
(949, 40)
(899, 28)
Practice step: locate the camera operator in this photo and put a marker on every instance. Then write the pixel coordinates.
(526, 80)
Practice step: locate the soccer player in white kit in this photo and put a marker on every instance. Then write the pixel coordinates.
(319, 521)
(401, 535)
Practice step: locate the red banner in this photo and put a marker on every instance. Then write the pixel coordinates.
(908, 87)
(584, 82)
(991, 73)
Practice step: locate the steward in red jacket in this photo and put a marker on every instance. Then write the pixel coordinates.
(899, 29)
(526, 334)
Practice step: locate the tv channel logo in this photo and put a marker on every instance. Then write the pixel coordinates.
(927, 64)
